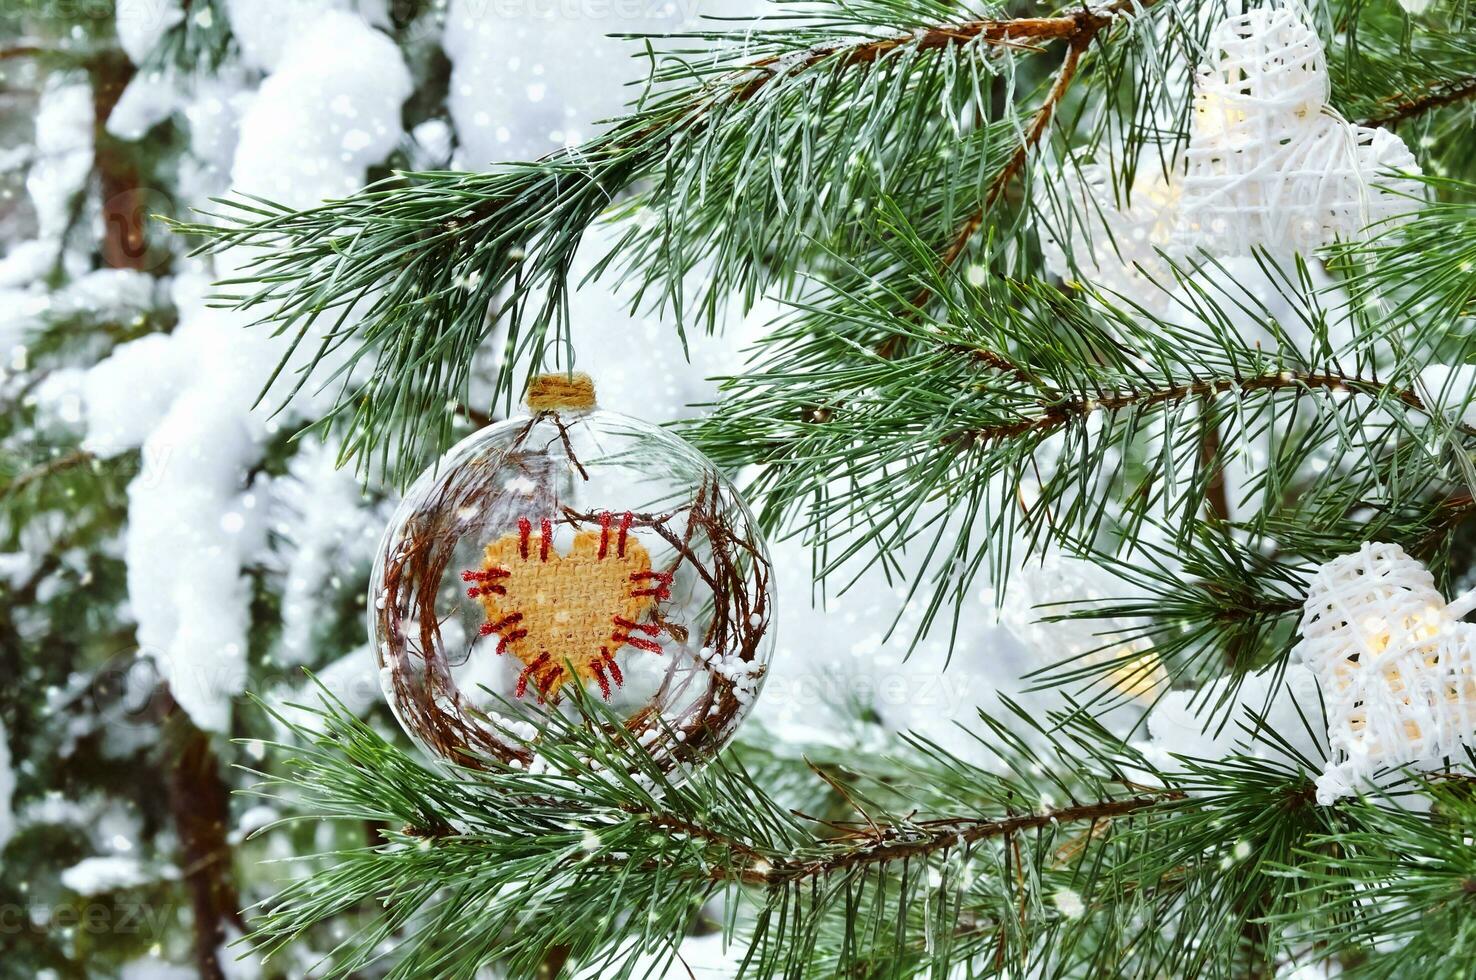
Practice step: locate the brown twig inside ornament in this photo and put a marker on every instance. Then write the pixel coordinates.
(512, 543)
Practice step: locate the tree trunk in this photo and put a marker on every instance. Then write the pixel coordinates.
(200, 802)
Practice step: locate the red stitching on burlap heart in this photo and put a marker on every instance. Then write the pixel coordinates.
(577, 610)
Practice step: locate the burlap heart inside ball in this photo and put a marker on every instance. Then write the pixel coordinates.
(577, 610)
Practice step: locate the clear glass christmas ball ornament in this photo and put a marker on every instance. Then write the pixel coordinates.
(571, 548)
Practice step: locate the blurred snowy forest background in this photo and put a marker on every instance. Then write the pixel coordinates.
(167, 548)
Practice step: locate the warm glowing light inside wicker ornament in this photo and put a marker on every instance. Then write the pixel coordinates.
(1109, 651)
(1214, 116)
(1141, 677)
(1395, 663)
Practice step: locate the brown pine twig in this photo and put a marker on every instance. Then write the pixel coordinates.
(748, 81)
(22, 50)
(1404, 108)
(1216, 494)
(60, 464)
(1022, 32)
(1060, 414)
(1085, 26)
(1039, 124)
(940, 835)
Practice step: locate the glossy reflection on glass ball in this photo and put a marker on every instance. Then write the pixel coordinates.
(571, 548)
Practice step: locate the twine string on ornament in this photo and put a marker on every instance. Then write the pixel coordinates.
(550, 396)
(1462, 605)
(561, 393)
(1395, 663)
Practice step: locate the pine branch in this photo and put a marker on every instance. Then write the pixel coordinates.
(22, 50)
(561, 837)
(1226, 601)
(1016, 412)
(1213, 606)
(880, 844)
(1183, 875)
(430, 254)
(1416, 919)
(1390, 75)
(1077, 43)
(1078, 28)
(1062, 413)
(1039, 125)
(1423, 278)
(58, 464)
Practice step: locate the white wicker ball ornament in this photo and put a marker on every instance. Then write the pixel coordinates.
(1116, 648)
(1396, 666)
(1270, 164)
(1087, 232)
